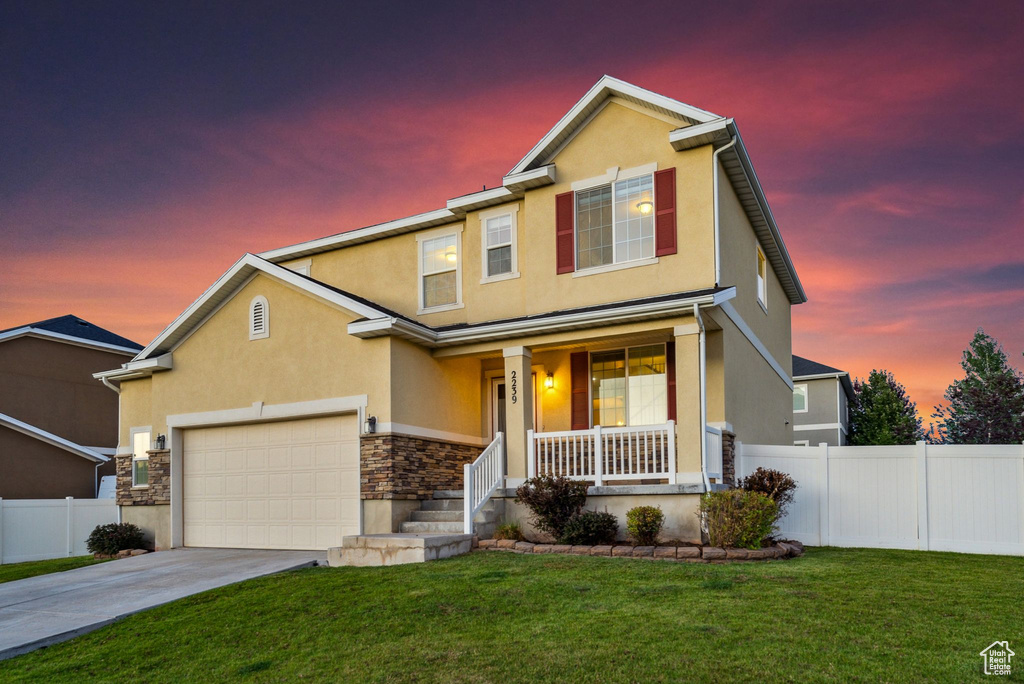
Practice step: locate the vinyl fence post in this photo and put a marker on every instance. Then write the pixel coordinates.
(738, 467)
(921, 452)
(824, 536)
(71, 522)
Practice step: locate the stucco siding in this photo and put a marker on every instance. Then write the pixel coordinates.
(31, 469)
(821, 402)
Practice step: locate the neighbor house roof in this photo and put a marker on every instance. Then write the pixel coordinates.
(73, 330)
(805, 369)
(697, 127)
(52, 439)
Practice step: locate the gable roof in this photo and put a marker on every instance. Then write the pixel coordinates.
(52, 439)
(802, 367)
(231, 282)
(697, 127)
(73, 330)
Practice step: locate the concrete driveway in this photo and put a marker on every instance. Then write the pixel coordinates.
(47, 609)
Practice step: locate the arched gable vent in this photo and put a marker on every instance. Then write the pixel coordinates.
(259, 318)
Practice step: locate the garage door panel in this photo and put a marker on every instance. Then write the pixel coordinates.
(291, 485)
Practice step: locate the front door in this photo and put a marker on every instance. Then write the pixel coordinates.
(498, 423)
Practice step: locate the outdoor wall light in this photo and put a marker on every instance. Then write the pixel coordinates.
(161, 440)
(645, 207)
(549, 381)
(370, 426)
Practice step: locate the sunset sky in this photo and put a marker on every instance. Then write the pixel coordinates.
(144, 147)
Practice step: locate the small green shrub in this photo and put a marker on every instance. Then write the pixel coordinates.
(590, 527)
(738, 518)
(775, 484)
(509, 530)
(643, 524)
(552, 501)
(109, 539)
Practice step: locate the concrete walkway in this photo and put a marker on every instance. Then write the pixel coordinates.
(47, 609)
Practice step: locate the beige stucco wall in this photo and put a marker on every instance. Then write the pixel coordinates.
(435, 393)
(155, 522)
(386, 270)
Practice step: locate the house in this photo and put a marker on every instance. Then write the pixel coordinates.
(821, 397)
(618, 310)
(58, 428)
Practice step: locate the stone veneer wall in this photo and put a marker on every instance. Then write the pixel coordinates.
(728, 457)
(159, 489)
(396, 466)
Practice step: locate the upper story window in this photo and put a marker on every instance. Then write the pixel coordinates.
(440, 270)
(615, 222)
(799, 398)
(498, 232)
(762, 279)
(259, 318)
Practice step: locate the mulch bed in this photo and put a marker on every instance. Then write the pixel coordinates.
(688, 554)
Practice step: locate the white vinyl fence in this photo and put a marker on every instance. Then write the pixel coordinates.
(933, 497)
(40, 529)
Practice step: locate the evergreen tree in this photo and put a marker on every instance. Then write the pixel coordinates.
(987, 405)
(882, 413)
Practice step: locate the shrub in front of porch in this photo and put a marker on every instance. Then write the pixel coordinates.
(737, 518)
(553, 501)
(590, 527)
(775, 484)
(109, 539)
(509, 530)
(643, 524)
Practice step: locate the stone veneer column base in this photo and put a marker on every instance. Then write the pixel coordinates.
(729, 457)
(397, 466)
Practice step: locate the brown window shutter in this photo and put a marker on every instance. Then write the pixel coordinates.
(665, 212)
(564, 242)
(670, 358)
(579, 363)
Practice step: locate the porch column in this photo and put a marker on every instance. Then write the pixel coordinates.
(518, 410)
(689, 431)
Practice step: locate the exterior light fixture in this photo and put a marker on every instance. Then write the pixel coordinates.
(549, 381)
(161, 441)
(370, 425)
(645, 207)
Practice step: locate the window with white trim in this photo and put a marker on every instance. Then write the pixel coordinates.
(498, 244)
(799, 398)
(141, 441)
(440, 271)
(762, 278)
(615, 222)
(629, 386)
(259, 318)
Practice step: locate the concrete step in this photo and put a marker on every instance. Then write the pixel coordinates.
(396, 549)
(449, 494)
(441, 505)
(436, 516)
(417, 527)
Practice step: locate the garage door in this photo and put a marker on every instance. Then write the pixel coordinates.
(287, 485)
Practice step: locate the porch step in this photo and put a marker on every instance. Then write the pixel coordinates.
(448, 494)
(437, 516)
(397, 549)
(419, 527)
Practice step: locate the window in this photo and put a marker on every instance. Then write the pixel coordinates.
(799, 398)
(498, 238)
(615, 222)
(762, 279)
(440, 271)
(629, 386)
(140, 438)
(259, 318)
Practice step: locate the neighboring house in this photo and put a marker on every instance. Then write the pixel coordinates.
(821, 399)
(626, 274)
(58, 428)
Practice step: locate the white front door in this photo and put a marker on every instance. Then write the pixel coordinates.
(285, 485)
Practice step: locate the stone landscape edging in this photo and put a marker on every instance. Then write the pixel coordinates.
(688, 554)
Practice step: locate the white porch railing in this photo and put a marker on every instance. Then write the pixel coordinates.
(599, 454)
(713, 451)
(481, 478)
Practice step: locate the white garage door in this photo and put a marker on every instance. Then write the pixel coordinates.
(287, 485)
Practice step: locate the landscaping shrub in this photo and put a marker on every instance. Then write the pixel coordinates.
(509, 530)
(552, 501)
(775, 484)
(109, 539)
(738, 518)
(590, 527)
(643, 524)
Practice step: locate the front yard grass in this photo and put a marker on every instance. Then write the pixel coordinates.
(17, 571)
(834, 615)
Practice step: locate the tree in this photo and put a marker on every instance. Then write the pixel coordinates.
(882, 413)
(987, 405)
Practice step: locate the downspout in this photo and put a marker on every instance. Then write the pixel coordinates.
(96, 480)
(714, 164)
(703, 399)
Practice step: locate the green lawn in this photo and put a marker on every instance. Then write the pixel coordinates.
(835, 614)
(17, 571)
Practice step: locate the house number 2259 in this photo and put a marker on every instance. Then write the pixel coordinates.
(515, 388)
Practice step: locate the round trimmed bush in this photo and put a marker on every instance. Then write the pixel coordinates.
(109, 539)
(643, 524)
(590, 527)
